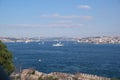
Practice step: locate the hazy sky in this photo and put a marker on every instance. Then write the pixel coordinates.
(52, 18)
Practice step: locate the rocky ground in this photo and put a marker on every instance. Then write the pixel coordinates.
(31, 74)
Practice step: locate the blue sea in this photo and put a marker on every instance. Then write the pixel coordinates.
(73, 57)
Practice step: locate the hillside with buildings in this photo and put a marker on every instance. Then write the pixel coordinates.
(96, 40)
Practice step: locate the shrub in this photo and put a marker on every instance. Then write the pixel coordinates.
(6, 59)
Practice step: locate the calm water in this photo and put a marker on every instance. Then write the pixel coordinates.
(102, 59)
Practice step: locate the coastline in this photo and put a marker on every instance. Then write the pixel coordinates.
(31, 74)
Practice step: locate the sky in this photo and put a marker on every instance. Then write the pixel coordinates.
(59, 18)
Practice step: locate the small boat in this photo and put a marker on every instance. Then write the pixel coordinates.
(27, 41)
(58, 44)
(78, 41)
(39, 60)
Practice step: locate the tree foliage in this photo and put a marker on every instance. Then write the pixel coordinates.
(6, 59)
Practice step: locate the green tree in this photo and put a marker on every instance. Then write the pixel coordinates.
(6, 59)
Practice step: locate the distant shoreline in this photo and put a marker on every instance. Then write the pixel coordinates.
(94, 40)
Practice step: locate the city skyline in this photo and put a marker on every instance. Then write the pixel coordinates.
(58, 18)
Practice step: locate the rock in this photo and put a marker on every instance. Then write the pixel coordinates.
(26, 74)
(28, 71)
(39, 73)
(31, 74)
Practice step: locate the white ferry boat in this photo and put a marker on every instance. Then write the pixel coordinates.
(58, 44)
(78, 41)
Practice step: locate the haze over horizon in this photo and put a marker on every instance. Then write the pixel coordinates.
(57, 18)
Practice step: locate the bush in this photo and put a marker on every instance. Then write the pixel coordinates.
(6, 59)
